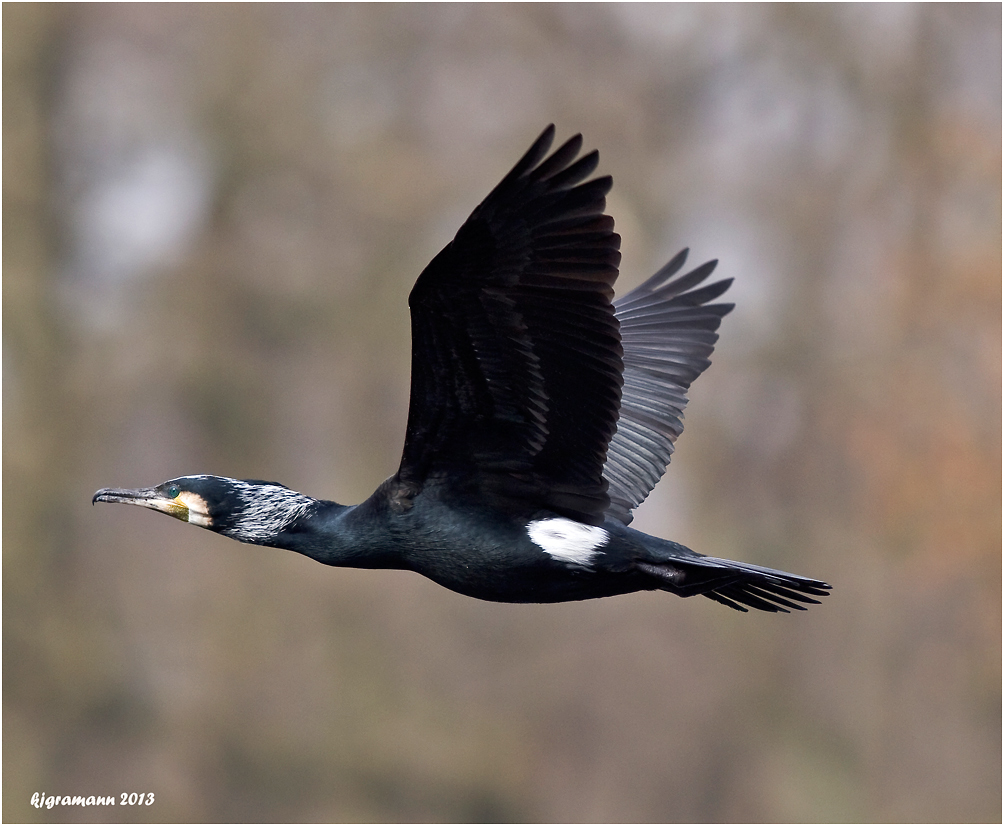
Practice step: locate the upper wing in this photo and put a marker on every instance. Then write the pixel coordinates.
(516, 359)
(668, 334)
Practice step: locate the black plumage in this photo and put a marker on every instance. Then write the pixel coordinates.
(541, 415)
(516, 359)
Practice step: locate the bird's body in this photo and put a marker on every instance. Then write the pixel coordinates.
(541, 415)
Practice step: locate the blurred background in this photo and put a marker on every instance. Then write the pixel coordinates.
(213, 215)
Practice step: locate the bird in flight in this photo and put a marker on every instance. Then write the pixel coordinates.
(541, 414)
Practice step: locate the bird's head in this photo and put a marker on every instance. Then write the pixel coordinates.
(252, 511)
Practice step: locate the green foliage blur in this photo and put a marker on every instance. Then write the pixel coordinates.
(212, 217)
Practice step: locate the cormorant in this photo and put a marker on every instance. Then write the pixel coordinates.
(540, 416)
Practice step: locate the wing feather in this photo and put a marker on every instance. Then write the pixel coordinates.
(516, 355)
(668, 331)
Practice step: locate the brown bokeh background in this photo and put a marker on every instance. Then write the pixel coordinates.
(212, 218)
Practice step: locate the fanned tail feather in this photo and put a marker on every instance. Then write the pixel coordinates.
(737, 585)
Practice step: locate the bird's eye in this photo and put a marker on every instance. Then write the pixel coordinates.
(173, 491)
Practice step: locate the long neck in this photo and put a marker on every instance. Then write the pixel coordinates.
(337, 535)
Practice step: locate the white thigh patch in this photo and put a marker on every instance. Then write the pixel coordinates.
(567, 540)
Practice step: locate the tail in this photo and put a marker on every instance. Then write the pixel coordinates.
(736, 585)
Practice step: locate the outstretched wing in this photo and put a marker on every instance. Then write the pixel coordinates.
(668, 333)
(516, 358)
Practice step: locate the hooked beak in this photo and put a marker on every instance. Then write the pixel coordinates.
(147, 497)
